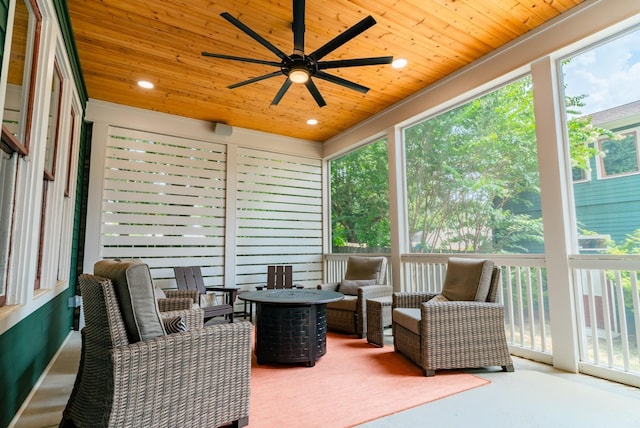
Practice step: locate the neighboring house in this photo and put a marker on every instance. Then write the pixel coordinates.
(606, 197)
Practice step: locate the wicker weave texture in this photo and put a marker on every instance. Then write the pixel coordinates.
(193, 379)
(378, 317)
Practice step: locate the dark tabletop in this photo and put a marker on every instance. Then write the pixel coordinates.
(292, 296)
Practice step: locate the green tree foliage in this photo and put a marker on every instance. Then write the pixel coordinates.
(466, 167)
(360, 197)
(472, 178)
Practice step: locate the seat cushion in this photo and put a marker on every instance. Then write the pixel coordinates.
(366, 268)
(350, 287)
(408, 318)
(134, 291)
(467, 279)
(349, 303)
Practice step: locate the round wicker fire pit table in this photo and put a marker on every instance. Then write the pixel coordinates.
(291, 325)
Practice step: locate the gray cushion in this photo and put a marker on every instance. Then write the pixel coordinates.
(349, 303)
(366, 268)
(408, 318)
(350, 287)
(134, 290)
(467, 279)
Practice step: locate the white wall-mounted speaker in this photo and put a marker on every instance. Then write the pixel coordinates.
(222, 130)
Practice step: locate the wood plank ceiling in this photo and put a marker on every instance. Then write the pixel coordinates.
(122, 41)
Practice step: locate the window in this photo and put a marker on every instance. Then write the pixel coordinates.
(51, 151)
(22, 70)
(603, 117)
(53, 124)
(16, 119)
(472, 177)
(619, 156)
(72, 140)
(360, 200)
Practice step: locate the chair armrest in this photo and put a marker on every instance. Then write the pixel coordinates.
(193, 318)
(411, 299)
(175, 304)
(331, 286)
(181, 294)
(230, 293)
(212, 365)
(372, 291)
(479, 318)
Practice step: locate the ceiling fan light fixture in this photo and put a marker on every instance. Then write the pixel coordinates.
(399, 63)
(299, 75)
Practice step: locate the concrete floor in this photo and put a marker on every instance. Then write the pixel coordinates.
(535, 395)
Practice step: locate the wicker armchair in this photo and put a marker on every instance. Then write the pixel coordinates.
(199, 377)
(437, 333)
(364, 279)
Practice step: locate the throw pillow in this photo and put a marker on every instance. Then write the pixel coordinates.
(174, 325)
(438, 299)
(350, 287)
(467, 279)
(159, 293)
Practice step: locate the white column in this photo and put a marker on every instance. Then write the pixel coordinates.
(230, 217)
(397, 204)
(557, 211)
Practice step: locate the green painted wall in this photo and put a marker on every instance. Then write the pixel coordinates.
(27, 348)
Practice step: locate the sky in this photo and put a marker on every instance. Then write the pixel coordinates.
(609, 74)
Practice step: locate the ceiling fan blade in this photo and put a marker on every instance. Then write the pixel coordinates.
(255, 79)
(343, 38)
(239, 58)
(264, 42)
(298, 27)
(340, 81)
(356, 62)
(283, 89)
(315, 93)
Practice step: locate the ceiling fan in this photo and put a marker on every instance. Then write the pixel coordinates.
(300, 68)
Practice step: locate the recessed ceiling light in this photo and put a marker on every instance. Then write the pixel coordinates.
(399, 63)
(312, 122)
(145, 84)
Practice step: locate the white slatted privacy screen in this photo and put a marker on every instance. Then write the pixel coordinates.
(279, 216)
(164, 202)
(165, 199)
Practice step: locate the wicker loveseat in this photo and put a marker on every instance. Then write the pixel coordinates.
(133, 374)
(364, 279)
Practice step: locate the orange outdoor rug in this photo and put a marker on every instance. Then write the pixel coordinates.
(353, 383)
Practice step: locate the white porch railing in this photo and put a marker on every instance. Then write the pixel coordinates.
(605, 286)
(523, 293)
(608, 312)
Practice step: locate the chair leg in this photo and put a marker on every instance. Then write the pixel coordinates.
(242, 422)
(429, 373)
(508, 368)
